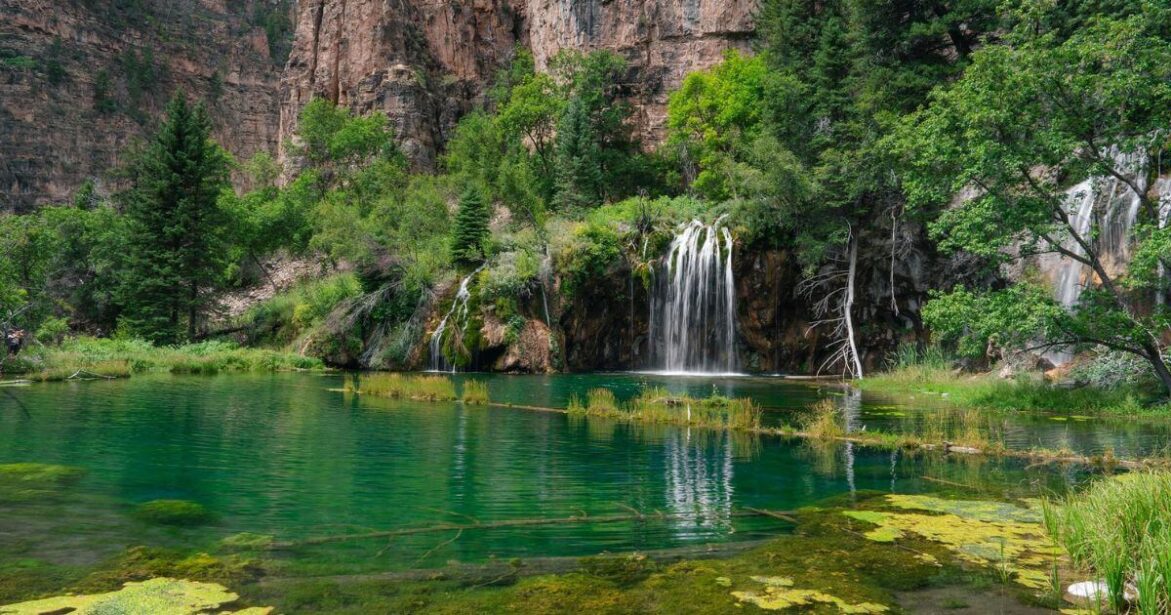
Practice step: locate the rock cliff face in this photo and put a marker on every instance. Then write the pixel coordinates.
(82, 80)
(426, 62)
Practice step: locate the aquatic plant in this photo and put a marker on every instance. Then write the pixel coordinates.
(475, 393)
(139, 563)
(779, 594)
(601, 402)
(1005, 537)
(657, 405)
(399, 386)
(824, 422)
(110, 368)
(28, 481)
(160, 595)
(174, 512)
(1120, 528)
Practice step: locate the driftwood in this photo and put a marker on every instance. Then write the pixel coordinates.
(786, 516)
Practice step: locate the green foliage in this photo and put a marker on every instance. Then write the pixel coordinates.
(93, 354)
(103, 98)
(1121, 529)
(1055, 103)
(330, 136)
(590, 253)
(175, 228)
(285, 317)
(471, 228)
(1009, 318)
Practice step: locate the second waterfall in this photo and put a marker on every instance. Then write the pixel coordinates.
(693, 302)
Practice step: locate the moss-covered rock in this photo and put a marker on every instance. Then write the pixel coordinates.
(181, 513)
(30, 481)
(141, 563)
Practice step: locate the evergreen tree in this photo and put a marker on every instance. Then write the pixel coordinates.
(174, 248)
(471, 227)
(579, 172)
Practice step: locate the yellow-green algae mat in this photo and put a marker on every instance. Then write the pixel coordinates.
(778, 594)
(161, 596)
(1008, 537)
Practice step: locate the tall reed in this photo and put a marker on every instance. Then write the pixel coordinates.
(398, 386)
(1120, 528)
(475, 393)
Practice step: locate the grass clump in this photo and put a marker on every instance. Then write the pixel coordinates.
(823, 423)
(1120, 528)
(179, 513)
(601, 402)
(398, 386)
(657, 405)
(110, 368)
(475, 393)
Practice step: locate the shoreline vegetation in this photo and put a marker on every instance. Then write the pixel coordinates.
(961, 433)
(107, 359)
(1024, 393)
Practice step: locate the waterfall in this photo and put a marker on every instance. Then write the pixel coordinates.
(1108, 205)
(693, 303)
(459, 309)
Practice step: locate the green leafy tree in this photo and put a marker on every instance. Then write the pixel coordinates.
(1027, 120)
(176, 228)
(471, 227)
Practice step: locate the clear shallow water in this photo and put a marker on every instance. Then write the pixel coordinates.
(283, 455)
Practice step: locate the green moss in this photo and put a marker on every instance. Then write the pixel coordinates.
(247, 541)
(174, 512)
(161, 595)
(140, 563)
(30, 481)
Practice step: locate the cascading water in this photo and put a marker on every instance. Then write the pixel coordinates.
(459, 309)
(693, 303)
(1108, 205)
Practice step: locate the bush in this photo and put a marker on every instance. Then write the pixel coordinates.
(511, 275)
(590, 253)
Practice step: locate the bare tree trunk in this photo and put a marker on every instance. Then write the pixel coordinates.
(848, 307)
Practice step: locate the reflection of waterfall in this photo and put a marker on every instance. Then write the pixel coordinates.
(699, 480)
(693, 307)
(459, 309)
(852, 413)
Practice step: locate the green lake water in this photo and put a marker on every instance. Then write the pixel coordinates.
(284, 455)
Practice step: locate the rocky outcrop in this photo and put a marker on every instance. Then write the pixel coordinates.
(81, 81)
(662, 41)
(425, 63)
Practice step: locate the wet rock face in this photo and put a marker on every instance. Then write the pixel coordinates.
(605, 324)
(427, 63)
(54, 53)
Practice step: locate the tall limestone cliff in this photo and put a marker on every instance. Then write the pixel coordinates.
(82, 80)
(426, 62)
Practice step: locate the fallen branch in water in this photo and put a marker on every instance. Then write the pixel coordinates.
(88, 375)
(511, 523)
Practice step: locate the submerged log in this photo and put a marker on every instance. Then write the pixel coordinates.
(786, 516)
(503, 570)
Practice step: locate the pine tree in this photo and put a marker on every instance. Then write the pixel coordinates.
(579, 164)
(471, 227)
(176, 228)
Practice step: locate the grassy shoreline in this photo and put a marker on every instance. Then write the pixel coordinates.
(1023, 394)
(95, 358)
